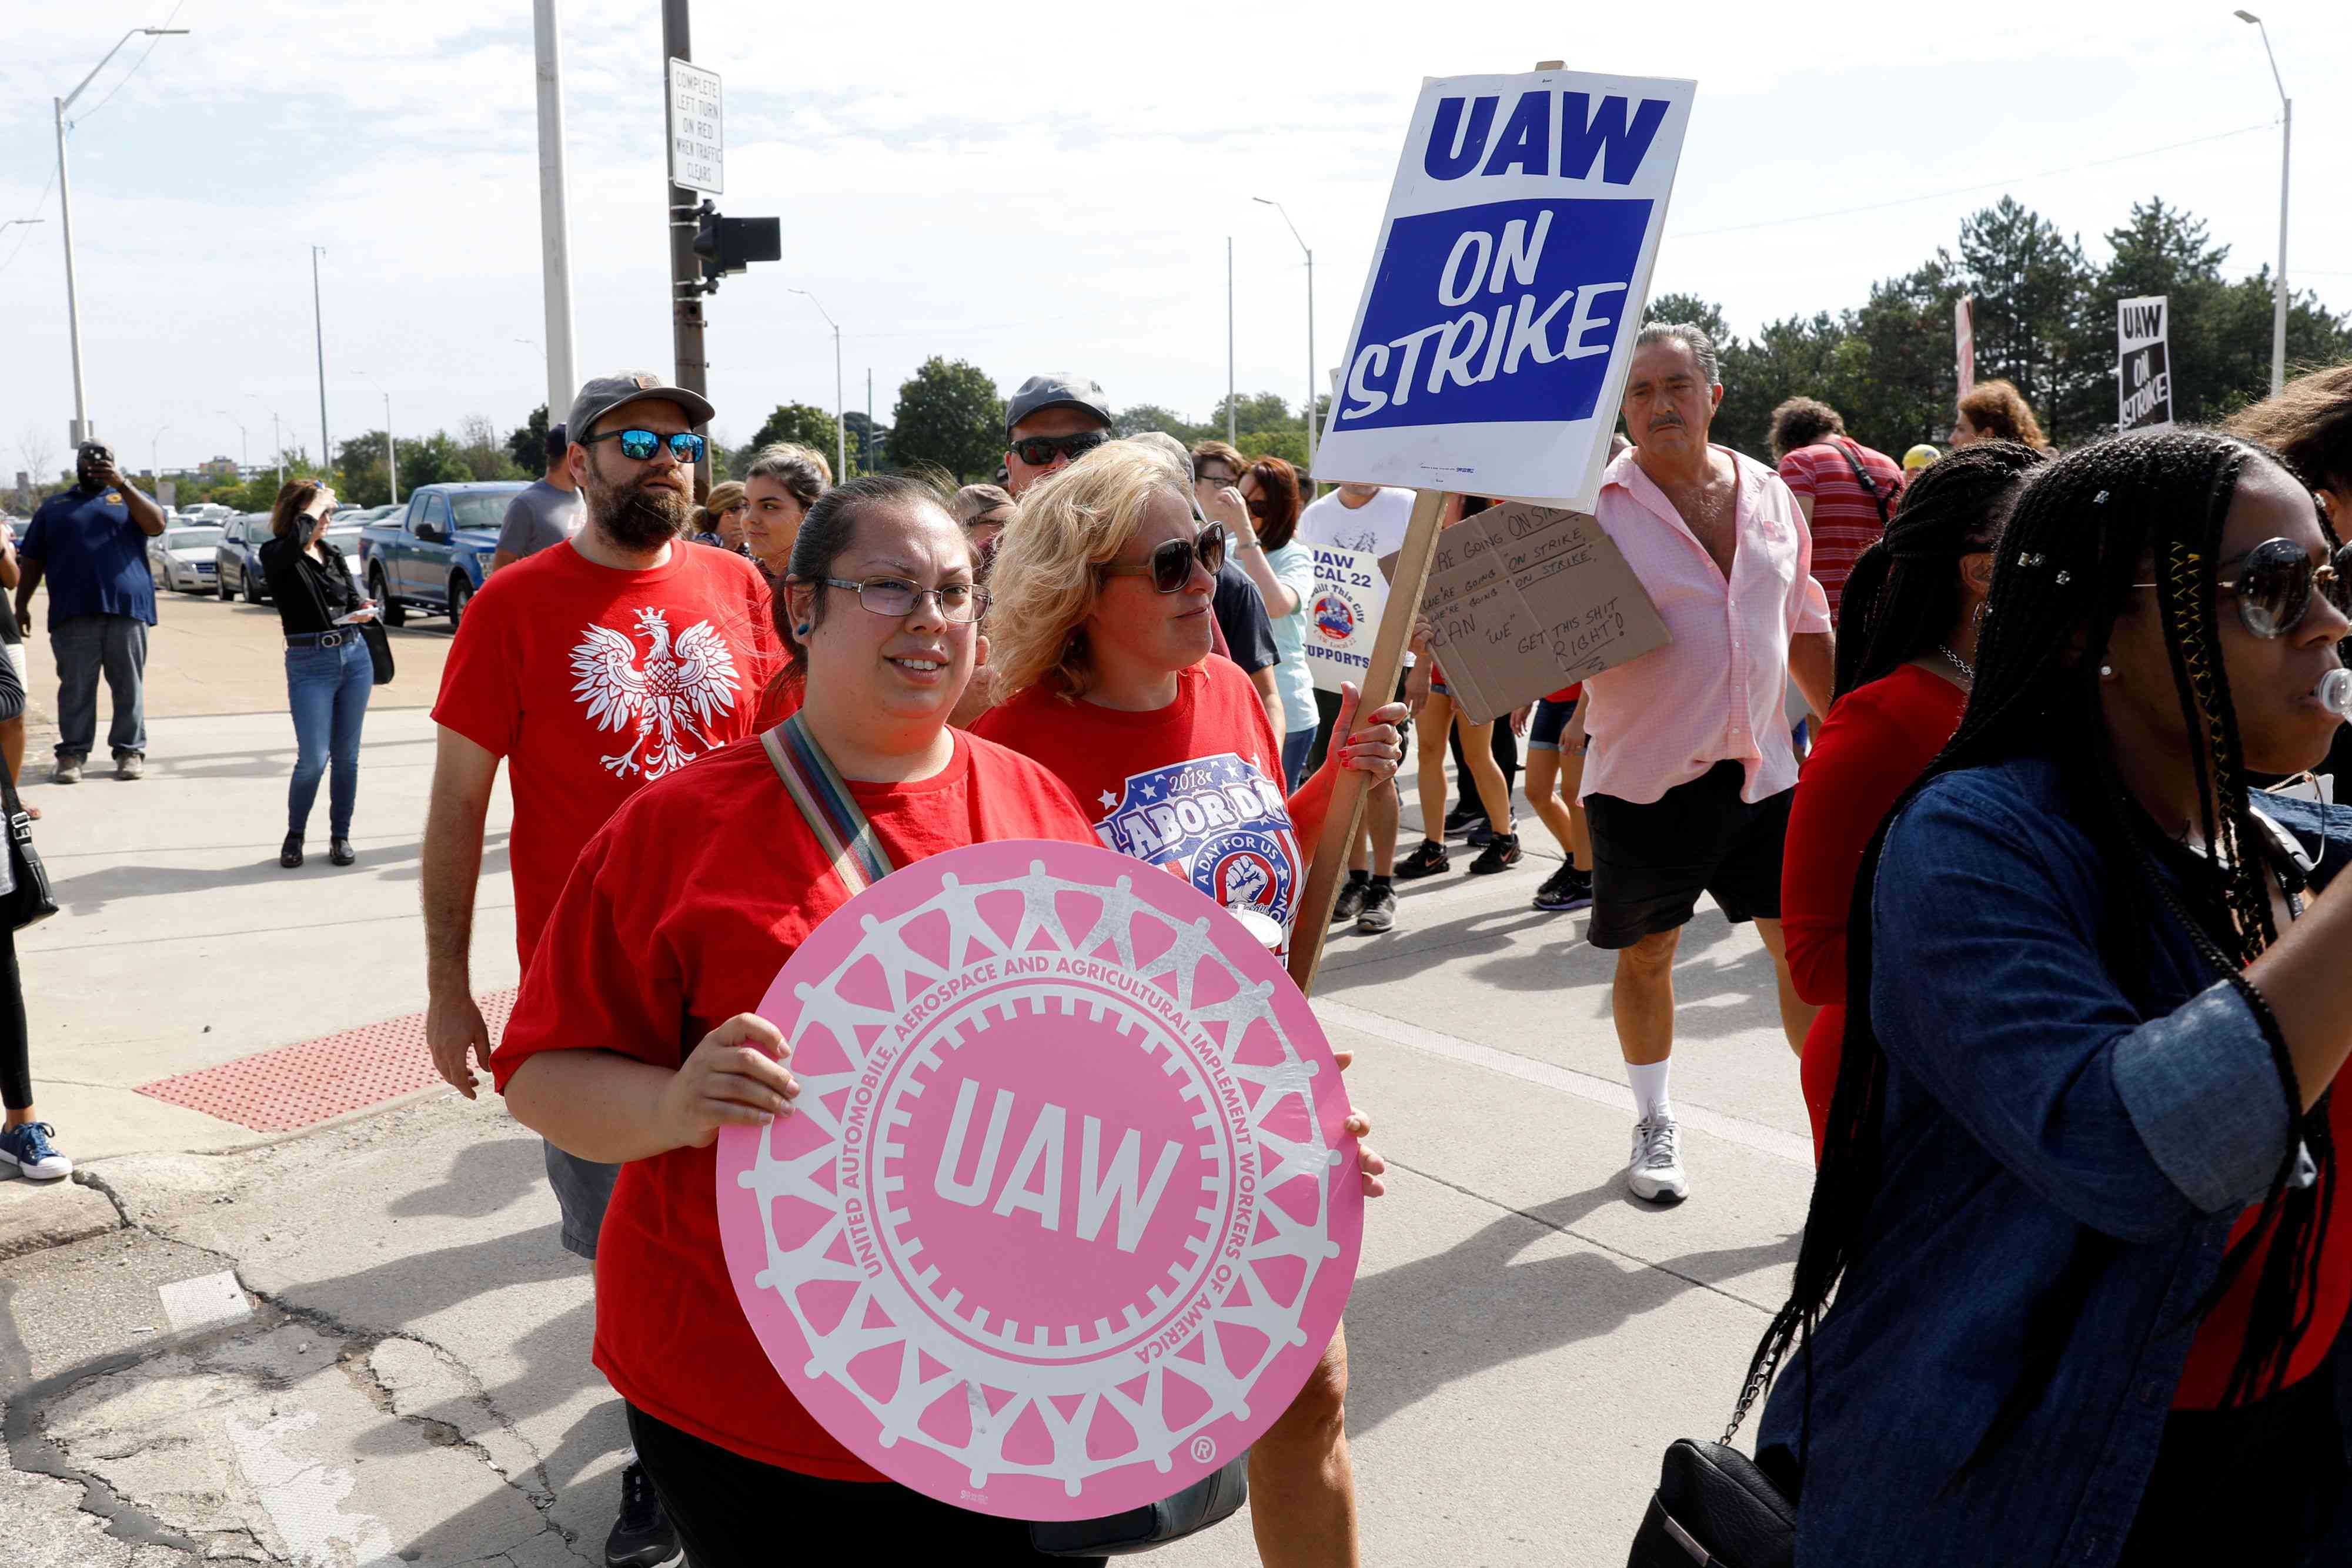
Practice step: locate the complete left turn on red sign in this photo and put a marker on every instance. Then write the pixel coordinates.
(697, 153)
(1065, 1212)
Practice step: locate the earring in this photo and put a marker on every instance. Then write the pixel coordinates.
(800, 630)
(2106, 671)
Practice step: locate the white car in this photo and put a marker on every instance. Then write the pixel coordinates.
(180, 558)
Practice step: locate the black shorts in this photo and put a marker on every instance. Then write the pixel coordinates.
(1651, 863)
(1550, 722)
(735, 1512)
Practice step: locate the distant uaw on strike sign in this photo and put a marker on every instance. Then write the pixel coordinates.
(1491, 348)
(1065, 1213)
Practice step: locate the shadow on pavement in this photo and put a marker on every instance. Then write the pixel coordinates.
(483, 1179)
(92, 891)
(1414, 1329)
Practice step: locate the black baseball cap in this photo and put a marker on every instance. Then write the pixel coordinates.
(1056, 388)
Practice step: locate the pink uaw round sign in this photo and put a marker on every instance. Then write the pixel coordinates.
(1065, 1215)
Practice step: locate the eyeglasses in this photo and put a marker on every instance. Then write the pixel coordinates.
(960, 603)
(639, 445)
(1170, 567)
(1038, 451)
(1214, 476)
(2274, 582)
(1260, 506)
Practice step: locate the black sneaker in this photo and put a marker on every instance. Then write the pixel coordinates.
(1564, 890)
(1501, 853)
(642, 1536)
(1462, 817)
(1481, 834)
(1426, 861)
(1380, 910)
(1351, 901)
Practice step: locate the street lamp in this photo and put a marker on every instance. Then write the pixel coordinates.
(391, 449)
(1269, 202)
(2286, 140)
(65, 215)
(154, 463)
(840, 421)
(244, 445)
(319, 330)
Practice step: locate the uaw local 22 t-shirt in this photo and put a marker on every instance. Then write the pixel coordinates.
(1194, 788)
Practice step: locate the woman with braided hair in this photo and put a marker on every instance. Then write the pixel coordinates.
(1905, 655)
(2077, 1203)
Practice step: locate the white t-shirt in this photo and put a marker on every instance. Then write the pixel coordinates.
(1376, 528)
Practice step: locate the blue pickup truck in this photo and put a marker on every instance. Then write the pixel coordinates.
(432, 558)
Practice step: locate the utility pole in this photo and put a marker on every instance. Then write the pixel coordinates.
(1229, 339)
(869, 418)
(840, 408)
(2286, 141)
(318, 325)
(685, 268)
(1277, 206)
(554, 218)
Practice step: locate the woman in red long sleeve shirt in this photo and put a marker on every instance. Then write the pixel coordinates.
(1905, 659)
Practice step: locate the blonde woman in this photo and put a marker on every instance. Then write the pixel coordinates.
(1099, 648)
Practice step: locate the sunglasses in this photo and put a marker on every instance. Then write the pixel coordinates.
(639, 445)
(1170, 567)
(1037, 451)
(2274, 582)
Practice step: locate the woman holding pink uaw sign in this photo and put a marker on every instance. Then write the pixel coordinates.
(1103, 597)
(636, 1042)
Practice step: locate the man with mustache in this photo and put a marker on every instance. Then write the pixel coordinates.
(1690, 770)
(594, 666)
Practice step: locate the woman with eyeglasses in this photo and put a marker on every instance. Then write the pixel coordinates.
(635, 1039)
(1100, 647)
(328, 672)
(2077, 1259)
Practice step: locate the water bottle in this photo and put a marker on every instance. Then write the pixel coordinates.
(2335, 692)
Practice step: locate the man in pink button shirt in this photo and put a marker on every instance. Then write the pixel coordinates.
(1690, 767)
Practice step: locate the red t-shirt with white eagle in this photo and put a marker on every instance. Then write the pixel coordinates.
(593, 682)
(1194, 788)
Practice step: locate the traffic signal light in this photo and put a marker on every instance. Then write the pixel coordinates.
(730, 245)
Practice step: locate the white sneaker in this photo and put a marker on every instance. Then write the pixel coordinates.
(1655, 1171)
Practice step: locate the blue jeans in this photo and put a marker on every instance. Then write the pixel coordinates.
(86, 646)
(328, 688)
(1296, 747)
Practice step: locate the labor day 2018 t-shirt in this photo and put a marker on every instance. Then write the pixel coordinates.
(683, 910)
(592, 683)
(1194, 788)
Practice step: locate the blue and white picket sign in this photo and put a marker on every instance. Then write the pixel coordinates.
(1491, 348)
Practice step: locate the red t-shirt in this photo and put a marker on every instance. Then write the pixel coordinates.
(1845, 519)
(1878, 738)
(1194, 786)
(592, 683)
(683, 909)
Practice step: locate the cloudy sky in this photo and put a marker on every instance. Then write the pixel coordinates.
(1027, 188)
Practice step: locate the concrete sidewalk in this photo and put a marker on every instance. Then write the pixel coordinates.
(361, 1343)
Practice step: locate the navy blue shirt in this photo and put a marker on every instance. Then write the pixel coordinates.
(93, 558)
(2033, 1102)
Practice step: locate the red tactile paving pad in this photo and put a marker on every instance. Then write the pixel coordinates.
(298, 1085)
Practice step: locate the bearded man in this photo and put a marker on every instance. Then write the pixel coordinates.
(594, 666)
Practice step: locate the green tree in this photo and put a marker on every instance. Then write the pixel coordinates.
(527, 444)
(1137, 418)
(434, 459)
(1290, 446)
(868, 442)
(483, 453)
(949, 414)
(359, 477)
(809, 426)
(2034, 291)
(1253, 411)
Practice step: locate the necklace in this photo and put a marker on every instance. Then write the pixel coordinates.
(1968, 670)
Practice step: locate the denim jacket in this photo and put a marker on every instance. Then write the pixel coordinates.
(2032, 1107)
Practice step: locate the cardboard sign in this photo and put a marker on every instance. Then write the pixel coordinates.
(1524, 600)
(1344, 615)
(1065, 1215)
(1490, 349)
(2143, 366)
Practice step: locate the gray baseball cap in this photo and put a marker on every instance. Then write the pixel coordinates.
(1056, 388)
(602, 394)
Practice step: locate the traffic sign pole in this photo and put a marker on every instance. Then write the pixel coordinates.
(684, 270)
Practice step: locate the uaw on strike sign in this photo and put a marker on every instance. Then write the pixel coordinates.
(2143, 364)
(1065, 1214)
(1490, 350)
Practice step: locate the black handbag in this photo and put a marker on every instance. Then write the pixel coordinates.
(26, 899)
(379, 647)
(809, 777)
(1717, 1506)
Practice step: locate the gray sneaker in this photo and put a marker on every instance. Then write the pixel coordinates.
(130, 766)
(68, 771)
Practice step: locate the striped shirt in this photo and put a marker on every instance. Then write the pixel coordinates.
(1845, 519)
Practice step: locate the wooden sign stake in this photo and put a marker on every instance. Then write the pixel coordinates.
(1432, 510)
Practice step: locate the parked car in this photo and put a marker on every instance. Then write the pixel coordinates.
(433, 558)
(181, 558)
(343, 533)
(238, 556)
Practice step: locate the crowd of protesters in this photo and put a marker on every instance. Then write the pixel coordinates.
(2006, 754)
